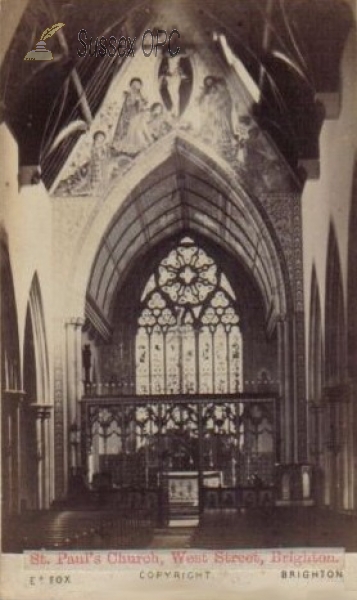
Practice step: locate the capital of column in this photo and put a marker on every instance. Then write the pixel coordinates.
(42, 411)
(75, 322)
(15, 397)
(282, 318)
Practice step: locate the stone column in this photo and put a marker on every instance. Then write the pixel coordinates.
(42, 416)
(300, 403)
(285, 391)
(74, 385)
(11, 415)
(354, 444)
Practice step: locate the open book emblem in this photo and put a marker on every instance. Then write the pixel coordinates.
(41, 52)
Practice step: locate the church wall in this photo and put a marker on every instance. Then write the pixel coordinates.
(26, 218)
(26, 221)
(326, 202)
(328, 198)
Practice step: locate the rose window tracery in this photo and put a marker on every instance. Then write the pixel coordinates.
(188, 275)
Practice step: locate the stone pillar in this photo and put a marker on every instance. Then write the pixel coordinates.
(354, 444)
(74, 386)
(42, 416)
(300, 402)
(284, 211)
(17, 453)
(11, 416)
(284, 374)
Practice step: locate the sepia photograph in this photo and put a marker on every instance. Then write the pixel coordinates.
(178, 214)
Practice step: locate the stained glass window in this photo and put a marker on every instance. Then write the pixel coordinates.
(188, 337)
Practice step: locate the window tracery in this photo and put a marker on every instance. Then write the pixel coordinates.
(188, 338)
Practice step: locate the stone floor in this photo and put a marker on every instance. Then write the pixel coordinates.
(172, 537)
(253, 528)
(277, 527)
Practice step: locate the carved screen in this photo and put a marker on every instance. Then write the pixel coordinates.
(188, 336)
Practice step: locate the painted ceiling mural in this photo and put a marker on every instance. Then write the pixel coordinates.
(153, 97)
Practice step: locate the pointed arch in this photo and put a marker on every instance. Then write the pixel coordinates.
(315, 383)
(36, 315)
(10, 345)
(35, 435)
(335, 321)
(336, 407)
(11, 385)
(316, 362)
(188, 192)
(352, 341)
(352, 284)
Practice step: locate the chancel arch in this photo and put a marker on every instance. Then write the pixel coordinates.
(189, 204)
(181, 193)
(189, 334)
(193, 179)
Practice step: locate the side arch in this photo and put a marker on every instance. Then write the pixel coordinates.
(35, 310)
(315, 388)
(336, 392)
(316, 353)
(36, 413)
(335, 318)
(10, 344)
(352, 339)
(11, 385)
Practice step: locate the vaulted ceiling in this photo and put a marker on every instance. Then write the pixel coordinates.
(291, 49)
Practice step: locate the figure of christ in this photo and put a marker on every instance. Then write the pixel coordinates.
(172, 79)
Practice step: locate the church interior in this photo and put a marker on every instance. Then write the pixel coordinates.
(178, 275)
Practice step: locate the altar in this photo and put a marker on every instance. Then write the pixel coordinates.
(182, 493)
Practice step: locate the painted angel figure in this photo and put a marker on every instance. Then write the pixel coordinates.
(92, 176)
(99, 159)
(133, 106)
(216, 105)
(158, 124)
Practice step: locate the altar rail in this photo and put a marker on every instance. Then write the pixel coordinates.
(238, 498)
(127, 387)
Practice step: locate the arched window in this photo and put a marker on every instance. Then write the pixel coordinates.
(188, 336)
